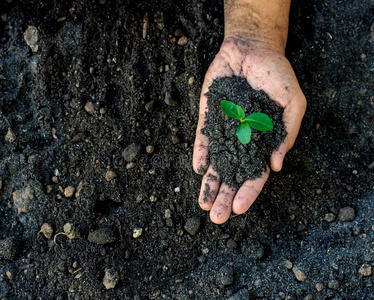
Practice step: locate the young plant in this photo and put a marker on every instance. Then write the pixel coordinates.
(257, 120)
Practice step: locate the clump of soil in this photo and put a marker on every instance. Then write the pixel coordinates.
(234, 161)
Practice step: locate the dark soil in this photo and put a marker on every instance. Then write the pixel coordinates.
(95, 86)
(234, 161)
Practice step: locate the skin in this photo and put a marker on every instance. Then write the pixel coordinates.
(253, 48)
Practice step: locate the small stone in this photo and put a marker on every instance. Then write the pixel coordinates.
(191, 80)
(111, 278)
(153, 198)
(182, 41)
(151, 106)
(110, 175)
(192, 225)
(333, 284)
(226, 275)
(102, 111)
(102, 236)
(330, 217)
(10, 136)
(169, 100)
(167, 213)
(319, 287)
(139, 199)
(131, 152)
(147, 132)
(299, 274)
(47, 230)
(288, 264)
(174, 139)
(308, 297)
(79, 189)
(365, 270)
(69, 191)
(89, 107)
(177, 189)
(31, 37)
(55, 179)
(22, 199)
(137, 232)
(71, 231)
(9, 248)
(347, 214)
(149, 149)
(243, 294)
(91, 70)
(130, 165)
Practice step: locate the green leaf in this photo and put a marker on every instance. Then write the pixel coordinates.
(260, 121)
(244, 133)
(232, 110)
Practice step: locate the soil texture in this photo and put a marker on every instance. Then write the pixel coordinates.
(235, 161)
(98, 200)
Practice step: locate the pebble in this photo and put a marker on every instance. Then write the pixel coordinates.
(319, 287)
(131, 152)
(365, 270)
(174, 139)
(9, 248)
(10, 136)
(149, 149)
(288, 264)
(110, 175)
(137, 232)
(333, 284)
(71, 231)
(169, 100)
(111, 278)
(153, 198)
(299, 274)
(191, 80)
(167, 213)
(192, 225)
(22, 199)
(47, 230)
(31, 37)
(69, 191)
(226, 275)
(182, 41)
(130, 165)
(243, 294)
(151, 106)
(89, 107)
(102, 236)
(147, 132)
(330, 217)
(347, 214)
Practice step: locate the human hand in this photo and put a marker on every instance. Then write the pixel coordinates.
(265, 68)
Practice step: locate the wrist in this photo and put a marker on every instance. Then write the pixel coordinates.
(258, 22)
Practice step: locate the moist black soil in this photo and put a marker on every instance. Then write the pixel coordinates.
(109, 74)
(234, 161)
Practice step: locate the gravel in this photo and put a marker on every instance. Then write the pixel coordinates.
(102, 236)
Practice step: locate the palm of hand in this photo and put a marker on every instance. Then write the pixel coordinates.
(264, 70)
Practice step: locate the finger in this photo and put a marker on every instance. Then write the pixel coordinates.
(292, 117)
(209, 189)
(218, 68)
(222, 206)
(248, 193)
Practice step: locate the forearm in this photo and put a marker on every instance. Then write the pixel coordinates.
(259, 20)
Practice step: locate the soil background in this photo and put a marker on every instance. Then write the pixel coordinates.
(110, 74)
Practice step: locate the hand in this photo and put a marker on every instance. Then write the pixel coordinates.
(265, 68)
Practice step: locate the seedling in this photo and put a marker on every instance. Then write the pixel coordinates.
(257, 120)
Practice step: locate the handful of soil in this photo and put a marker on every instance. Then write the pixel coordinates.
(234, 161)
